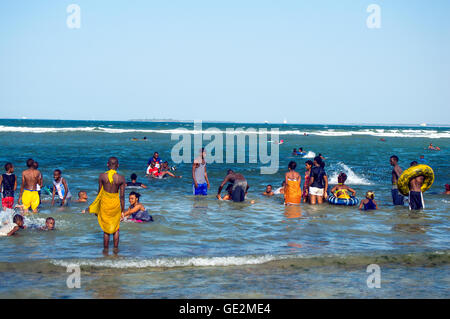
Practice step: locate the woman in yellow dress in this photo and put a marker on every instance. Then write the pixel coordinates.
(292, 189)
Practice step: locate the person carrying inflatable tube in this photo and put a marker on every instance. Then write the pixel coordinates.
(109, 203)
(415, 180)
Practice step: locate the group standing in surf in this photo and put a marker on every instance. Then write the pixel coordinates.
(109, 205)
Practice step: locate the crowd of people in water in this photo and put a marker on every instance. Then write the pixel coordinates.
(109, 205)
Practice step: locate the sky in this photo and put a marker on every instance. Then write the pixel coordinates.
(245, 61)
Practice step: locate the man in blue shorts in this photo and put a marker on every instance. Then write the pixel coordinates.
(200, 183)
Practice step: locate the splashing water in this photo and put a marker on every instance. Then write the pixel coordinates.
(352, 177)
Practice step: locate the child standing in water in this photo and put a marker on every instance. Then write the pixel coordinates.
(60, 187)
(8, 183)
(341, 190)
(11, 228)
(369, 202)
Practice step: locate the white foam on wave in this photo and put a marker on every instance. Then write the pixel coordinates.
(352, 177)
(171, 262)
(236, 130)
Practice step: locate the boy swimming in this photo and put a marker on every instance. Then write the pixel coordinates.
(49, 224)
(11, 228)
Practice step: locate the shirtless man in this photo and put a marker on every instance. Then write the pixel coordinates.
(397, 199)
(29, 196)
(415, 191)
(240, 186)
(110, 204)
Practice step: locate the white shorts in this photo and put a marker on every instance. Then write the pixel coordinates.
(316, 191)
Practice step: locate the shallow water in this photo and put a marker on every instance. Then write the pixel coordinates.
(200, 247)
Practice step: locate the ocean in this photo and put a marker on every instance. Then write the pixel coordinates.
(205, 248)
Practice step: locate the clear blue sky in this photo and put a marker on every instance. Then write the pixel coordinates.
(251, 61)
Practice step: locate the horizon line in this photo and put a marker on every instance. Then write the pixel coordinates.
(231, 122)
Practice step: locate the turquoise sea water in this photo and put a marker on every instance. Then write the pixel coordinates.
(201, 247)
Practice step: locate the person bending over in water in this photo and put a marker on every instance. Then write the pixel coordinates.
(292, 188)
(397, 198)
(11, 228)
(8, 185)
(369, 202)
(136, 211)
(60, 186)
(341, 190)
(294, 152)
(268, 191)
(134, 182)
(110, 202)
(415, 191)
(49, 224)
(240, 186)
(29, 195)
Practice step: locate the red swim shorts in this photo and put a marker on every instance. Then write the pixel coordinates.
(8, 202)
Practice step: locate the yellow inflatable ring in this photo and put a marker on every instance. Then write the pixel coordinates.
(412, 172)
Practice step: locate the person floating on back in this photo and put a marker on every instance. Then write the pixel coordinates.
(134, 183)
(415, 191)
(110, 202)
(11, 228)
(136, 211)
(29, 195)
(8, 185)
(369, 202)
(341, 190)
(60, 186)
